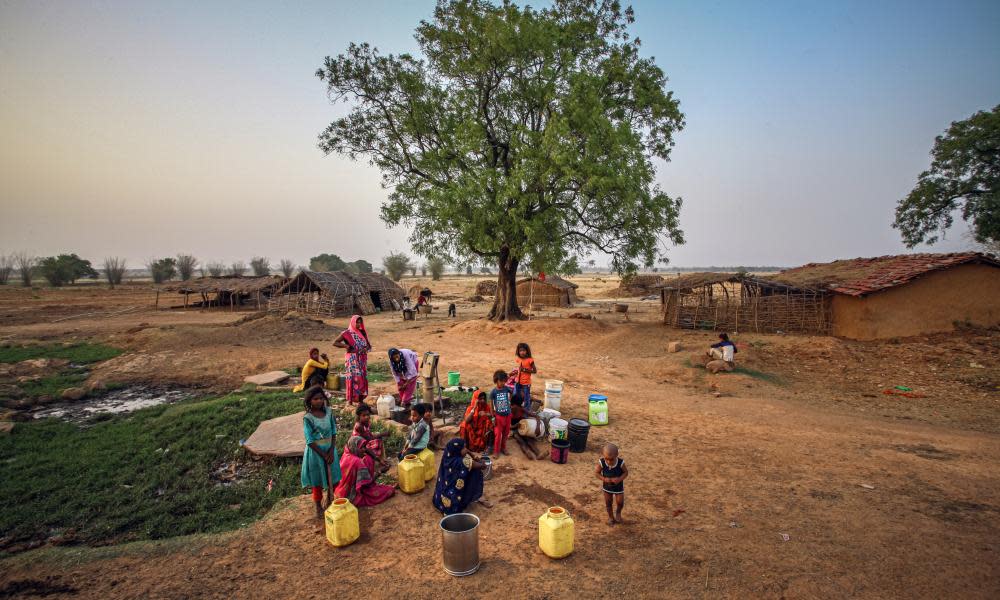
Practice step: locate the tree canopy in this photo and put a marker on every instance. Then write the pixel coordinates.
(964, 174)
(521, 135)
(65, 268)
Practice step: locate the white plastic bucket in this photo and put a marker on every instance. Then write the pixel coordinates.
(554, 386)
(558, 429)
(552, 401)
(547, 414)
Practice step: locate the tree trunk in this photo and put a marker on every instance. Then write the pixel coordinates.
(505, 306)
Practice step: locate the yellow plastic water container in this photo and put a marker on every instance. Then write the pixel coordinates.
(426, 456)
(342, 523)
(410, 473)
(555, 533)
(332, 382)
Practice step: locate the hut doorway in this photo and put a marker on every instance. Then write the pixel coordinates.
(376, 300)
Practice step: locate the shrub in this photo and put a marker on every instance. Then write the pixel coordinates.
(25, 264)
(216, 269)
(114, 270)
(162, 270)
(327, 262)
(238, 268)
(436, 266)
(260, 265)
(396, 264)
(6, 268)
(286, 267)
(186, 264)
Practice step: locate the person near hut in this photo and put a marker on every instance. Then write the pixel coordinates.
(405, 366)
(373, 441)
(355, 340)
(357, 482)
(314, 372)
(460, 479)
(722, 355)
(477, 424)
(320, 467)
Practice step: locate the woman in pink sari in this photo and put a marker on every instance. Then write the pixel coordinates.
(357, 477)
(355, 340)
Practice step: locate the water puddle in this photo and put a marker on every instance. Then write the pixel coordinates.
(114, 402)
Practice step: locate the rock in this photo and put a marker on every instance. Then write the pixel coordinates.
(74, 393)
(28, 378)
(269, 378)
(674, 347)
(11, 391)
(96, 386)
(6, 369)
(37, 364)
(6, 426)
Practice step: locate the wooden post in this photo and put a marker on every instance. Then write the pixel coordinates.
(156, 305)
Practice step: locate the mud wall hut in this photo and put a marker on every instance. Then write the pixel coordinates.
(337, 293)
(554, 291)
(231, 293)
(904, 295)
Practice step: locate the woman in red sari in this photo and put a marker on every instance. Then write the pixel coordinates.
(355, 340)
(477, 423)
(357, 477)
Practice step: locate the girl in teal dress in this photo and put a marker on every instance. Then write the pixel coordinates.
(320, 467)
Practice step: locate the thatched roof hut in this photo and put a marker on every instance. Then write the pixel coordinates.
(228, 292)
(636, 285)
(337, 293)
(554, 291)
(487, 287)
(417, 290)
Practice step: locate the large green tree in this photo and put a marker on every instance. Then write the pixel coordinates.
(964, 174)
(520, 136)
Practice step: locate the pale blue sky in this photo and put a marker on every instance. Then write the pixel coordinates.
(150, 128)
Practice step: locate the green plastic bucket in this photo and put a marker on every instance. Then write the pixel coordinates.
(454, 377)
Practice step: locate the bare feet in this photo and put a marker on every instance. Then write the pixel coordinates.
(505, 453)
(611, 522)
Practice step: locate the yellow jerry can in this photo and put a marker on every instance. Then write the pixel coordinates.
(342, 523)
(555, 532)
(410, 473)
(426, 456)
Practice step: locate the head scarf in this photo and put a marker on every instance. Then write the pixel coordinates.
(396, 361)
(356, 336)
(458, 484)
(358, 329)
(356, 445)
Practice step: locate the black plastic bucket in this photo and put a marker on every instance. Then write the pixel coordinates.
(577, 431)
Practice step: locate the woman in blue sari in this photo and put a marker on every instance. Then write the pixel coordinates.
(460, 479)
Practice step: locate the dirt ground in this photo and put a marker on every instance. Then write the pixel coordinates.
(878, 496)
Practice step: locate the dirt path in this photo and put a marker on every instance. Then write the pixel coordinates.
(715, 483)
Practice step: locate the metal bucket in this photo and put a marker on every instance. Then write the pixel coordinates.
(408, 314)
(460, 544)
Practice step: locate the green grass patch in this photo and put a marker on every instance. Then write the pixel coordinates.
(760, 375)
(148, 474)
(77, 353)
(53, 385)
(378, 372)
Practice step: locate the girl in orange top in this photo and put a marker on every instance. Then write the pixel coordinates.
(525, 367)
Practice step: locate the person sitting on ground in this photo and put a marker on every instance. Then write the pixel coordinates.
(722, 354)
(373, 441)
(477, 424)
(459, 480)
(525, 442)
(419, 435)
(612, 472)
(500, 397)
(405, 366)
(314, 372)
(320, 467)
(357, 482)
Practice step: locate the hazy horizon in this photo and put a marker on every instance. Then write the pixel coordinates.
(144, 130)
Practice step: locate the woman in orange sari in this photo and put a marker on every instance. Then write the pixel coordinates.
(477, 423)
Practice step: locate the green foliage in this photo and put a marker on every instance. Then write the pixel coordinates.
(436, 266)
(327, 262)
(965, 174)
(396, 265)
(163, 269)
(359, 266)
(77, 353)
(65, 268)
(186, 264)
(261, 266)
(519, 135)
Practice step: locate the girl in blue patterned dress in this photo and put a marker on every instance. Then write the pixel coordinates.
(320, 467)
